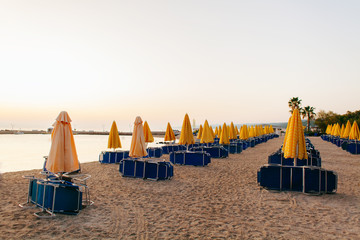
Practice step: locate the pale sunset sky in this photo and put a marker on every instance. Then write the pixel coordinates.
(222, 60)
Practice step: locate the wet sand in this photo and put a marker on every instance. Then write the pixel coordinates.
(220, 201)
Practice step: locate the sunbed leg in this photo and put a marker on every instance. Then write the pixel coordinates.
(281, 178)
(291, 178)
(303, 179)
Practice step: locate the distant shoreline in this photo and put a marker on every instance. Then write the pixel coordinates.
(18, 132)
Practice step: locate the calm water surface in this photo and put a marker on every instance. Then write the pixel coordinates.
(26, 151)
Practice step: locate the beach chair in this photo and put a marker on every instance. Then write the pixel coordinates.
(154, 152)
(113, 156)
(245, 144)
(312, 180)
(278, 158)
(353, 147)
(167, 149)
(190, 158)
(153, 169)
(235, 147)
(214, 151)
(55, 196)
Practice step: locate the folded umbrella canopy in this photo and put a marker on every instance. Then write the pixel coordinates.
(212, 131)
(252, 132)
(219, 132)
(333, 128)
(354, 133)
(147, 133)
(328, 130)
(295, 146)
(224, 137)
(216, 131)
(137, 147)
(342, 130)
(232, 133)
(169, 134)
(200, 132)
(207, 136)
(337, 131)
(347, 130)
(62, 156)
(244, 133)
(186, 136)
(286, 134)
(271, 129)
(114, 139)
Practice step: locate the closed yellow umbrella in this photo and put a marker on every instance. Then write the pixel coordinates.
(237, 132)
(333, 128)
(62, 156)
(147, 133)
(286, 134)
(354, 133)
(138, 147)
(207, 136)
(169, 134)
(232, 134)
(216, 131)
(252, 132)
(271, 129)
(114, 139)
(200, 132)
(330, 129)
(347, 130)
(327, 131)
(219, 132)
(243, 133)
(337, 130)
(212, 132)
(295, 146)
(261, 129)
(342, 130)
(257, 130)
(186, 136)
(224, 137)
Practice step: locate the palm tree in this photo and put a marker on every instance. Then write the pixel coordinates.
(309, 113)
(294, 102)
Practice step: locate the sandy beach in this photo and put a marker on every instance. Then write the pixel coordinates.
(220, 201)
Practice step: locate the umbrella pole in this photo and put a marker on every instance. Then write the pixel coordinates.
(297, 154)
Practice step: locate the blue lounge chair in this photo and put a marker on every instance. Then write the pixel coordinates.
(146, 169)
(190, 158)
(278, 158)
(353, 147)
(167, 149)
(113, 156)
(294, 178)
(233, 147)
(214, 151)
(154, 152)
(54, 196)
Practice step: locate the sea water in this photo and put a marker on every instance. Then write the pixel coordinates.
(20, 152)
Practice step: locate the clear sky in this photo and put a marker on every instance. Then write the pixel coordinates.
(222, 60)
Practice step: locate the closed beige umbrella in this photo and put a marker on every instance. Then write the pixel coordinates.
(137, 147)
(62, 156)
